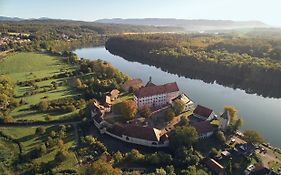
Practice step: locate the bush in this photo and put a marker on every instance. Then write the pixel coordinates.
(40, 130)
(61, 156)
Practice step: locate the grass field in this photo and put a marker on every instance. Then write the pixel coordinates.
(30, 66)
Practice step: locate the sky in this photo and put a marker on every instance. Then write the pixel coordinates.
(267, 11)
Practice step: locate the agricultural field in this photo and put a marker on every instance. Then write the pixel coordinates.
(30, 66)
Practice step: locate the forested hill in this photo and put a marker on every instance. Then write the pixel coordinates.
(189, 25)
(252, 63)
(20, 24)
(58, 35)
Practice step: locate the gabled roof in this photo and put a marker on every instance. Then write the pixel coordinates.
(202, 111)
(203, 127)
(116, 129)
(140, 132)
(145, 133)
(151, 90)
(214, 165)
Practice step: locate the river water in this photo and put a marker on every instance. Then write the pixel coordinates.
(259, 113)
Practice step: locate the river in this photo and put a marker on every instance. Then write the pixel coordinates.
(258, 113)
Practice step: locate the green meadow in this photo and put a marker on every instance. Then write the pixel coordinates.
(30, 66)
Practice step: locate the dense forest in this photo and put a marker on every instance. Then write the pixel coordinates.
(250, 61)
(58, 35)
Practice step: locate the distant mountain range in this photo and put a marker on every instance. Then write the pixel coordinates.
(184, 24)
(6, 18)
(189, 25)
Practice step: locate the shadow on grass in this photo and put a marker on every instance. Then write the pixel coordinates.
(27, 114)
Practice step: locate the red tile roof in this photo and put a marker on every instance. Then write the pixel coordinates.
(202, 111)
(140, 132)
(116, 129)
(145, 133)
(203, 127)
(156, 90)
(132, 83)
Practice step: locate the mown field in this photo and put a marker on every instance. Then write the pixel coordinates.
(31, 66)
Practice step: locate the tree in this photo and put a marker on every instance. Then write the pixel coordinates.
(145, 111)
(179, 106)
(170, 170)
(232, 112)
(41, 150)
(101, 167)
(186, 156)
(40, 130)
(43, 105)
(192, 170)
(61, 156)
(183, 136)
(238, 124)
(134, 156)
(220, 136)
(78, 84)
(52, 134)
(129, 109)
(118, 157)
(252, 136)
(160, 171)
(170, 115)
(70, 108)
(214, 152)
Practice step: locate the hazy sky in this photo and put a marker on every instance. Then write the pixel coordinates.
(268, 11)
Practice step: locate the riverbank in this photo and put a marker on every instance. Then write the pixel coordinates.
(254, 75)
(209, 94)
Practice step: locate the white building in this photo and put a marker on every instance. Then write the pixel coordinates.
(204, 113)
(152, 95)
(224, 120)
(189, 105)
(204, 129)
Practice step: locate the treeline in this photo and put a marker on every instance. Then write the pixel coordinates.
(7, 100)
(103, 77)
(194, 56)
(58, 35)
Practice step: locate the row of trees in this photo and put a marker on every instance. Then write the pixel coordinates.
(61, 105)
(178, 53)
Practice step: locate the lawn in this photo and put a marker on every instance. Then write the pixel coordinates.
(30, 66)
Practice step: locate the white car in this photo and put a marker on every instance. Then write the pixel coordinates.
(249, 169)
